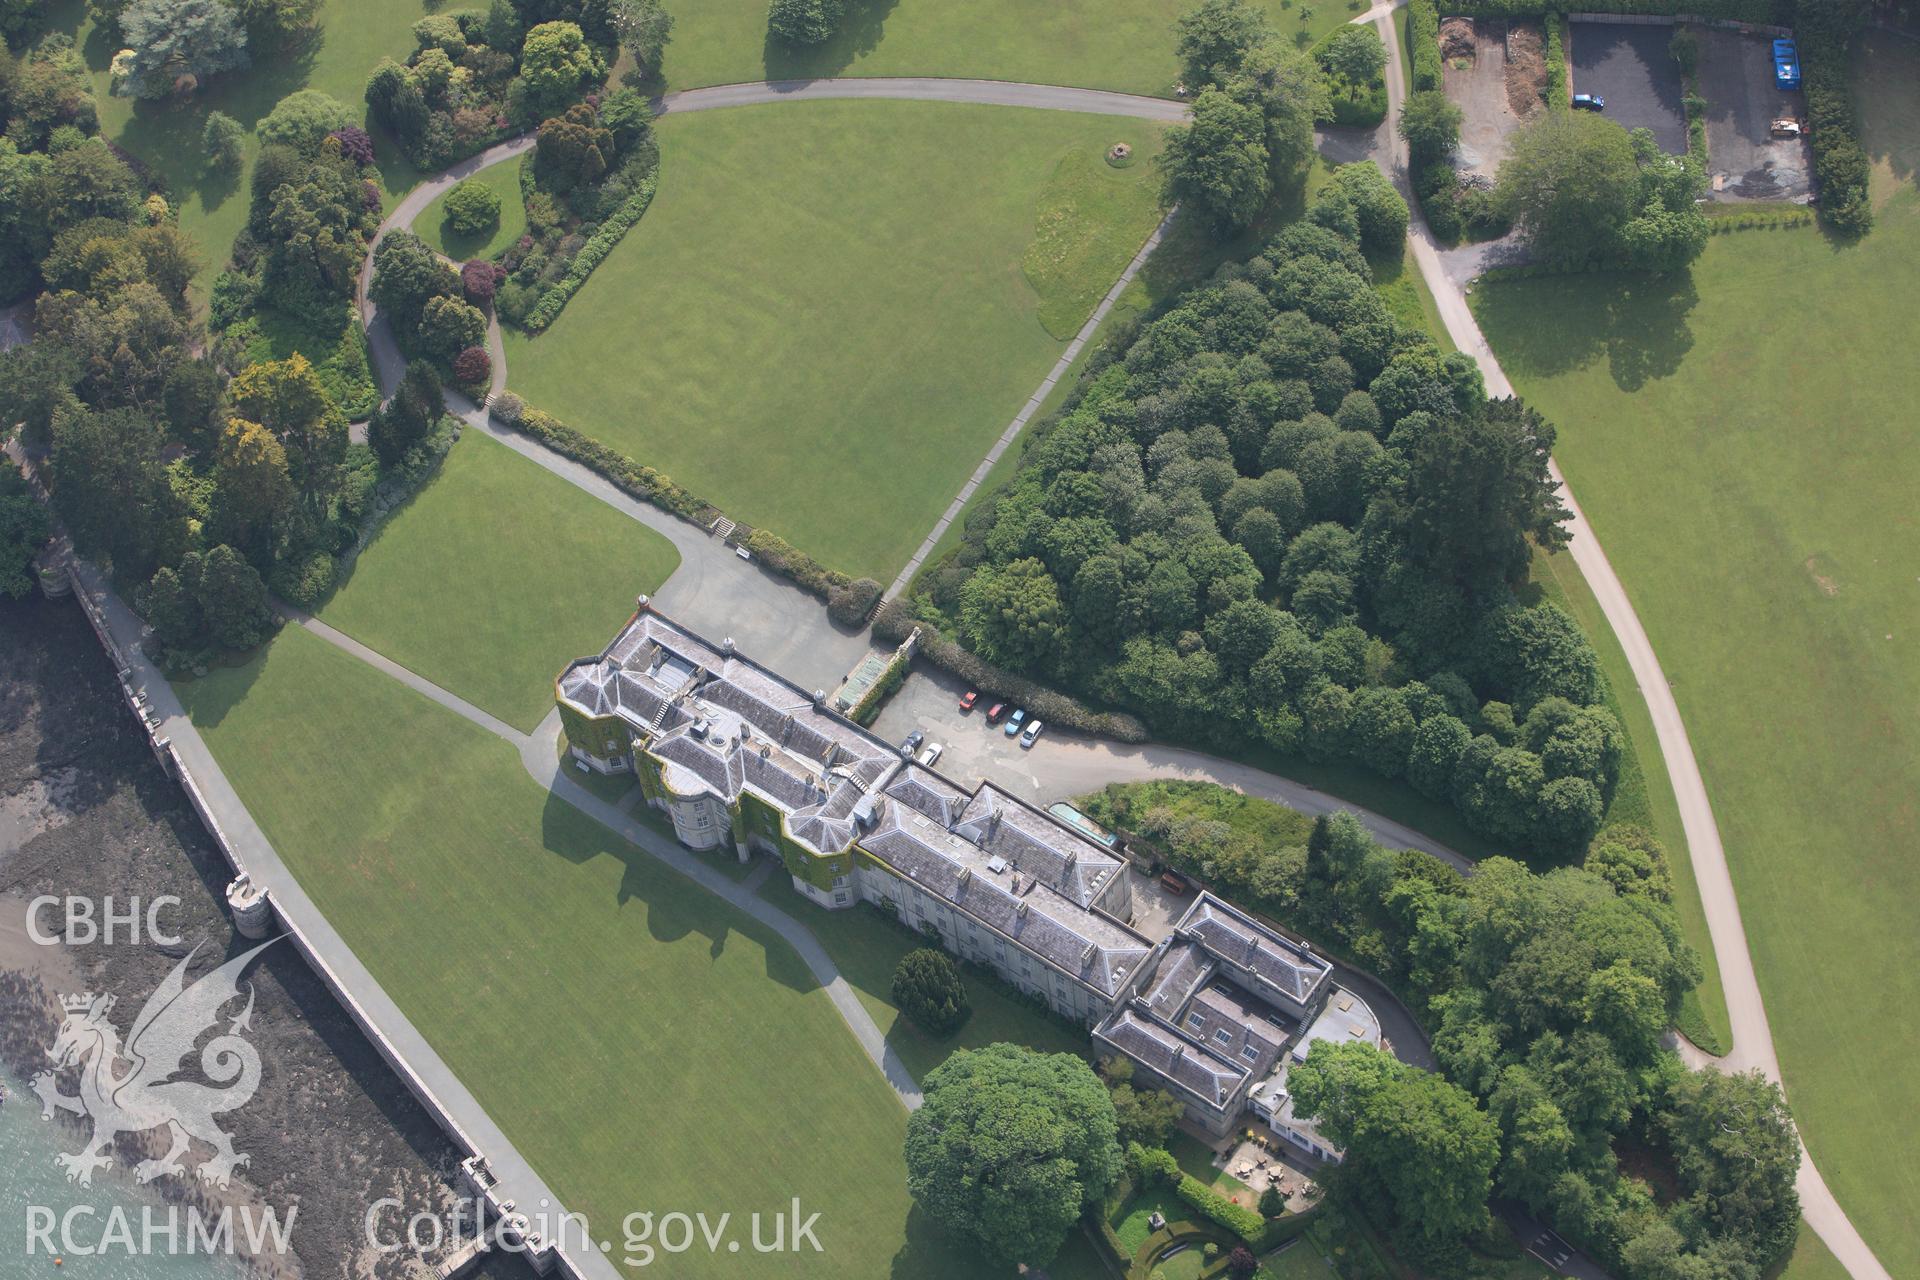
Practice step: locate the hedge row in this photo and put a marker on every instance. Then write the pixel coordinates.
(591, 254)
(1839, 165)
(653, 486)
(867, 710)
(1764, 12)
(895, 622)
(1558, 96)
(1760, 220)
(1423, 33)
(1216, 1208)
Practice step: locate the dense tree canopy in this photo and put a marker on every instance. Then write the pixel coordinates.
(173, 45)
(1278, 518)
(1583, 191)
(1010, 1148)
(1411, 1137)
(1253, 113)
(556, 66)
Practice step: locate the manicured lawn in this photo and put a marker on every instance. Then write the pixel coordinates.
(644, 1045)
(1300, 1262)
(495, 576)
(823, 321)
(1130, 1219)
(1743, 442)
(353, 36)
(504, 181)
(867, 947)
(1123, 44)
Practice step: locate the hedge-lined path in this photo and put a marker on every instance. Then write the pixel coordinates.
(1752, 1040)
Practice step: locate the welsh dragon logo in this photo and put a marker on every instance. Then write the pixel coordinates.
(145, 1095)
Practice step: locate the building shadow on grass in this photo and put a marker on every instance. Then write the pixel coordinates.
(860, 31)
(1552, 325)
(677, 906)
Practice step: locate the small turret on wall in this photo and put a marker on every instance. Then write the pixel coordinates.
(252, 909)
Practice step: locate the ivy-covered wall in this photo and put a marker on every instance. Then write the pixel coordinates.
(592, 734)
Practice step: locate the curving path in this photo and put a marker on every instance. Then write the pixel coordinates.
(1752, 1040)
(539, 755)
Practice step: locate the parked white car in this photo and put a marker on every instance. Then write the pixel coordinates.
(931, 756)
(1031, 732)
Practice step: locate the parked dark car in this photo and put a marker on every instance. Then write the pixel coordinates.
(1589, 102)
(969, 700)
(912, 743)
(996, 713)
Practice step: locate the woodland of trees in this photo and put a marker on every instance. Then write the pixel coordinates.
(1547, 996)
(1275, 519)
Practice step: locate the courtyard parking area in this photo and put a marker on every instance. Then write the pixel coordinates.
(1629, 66)
(1744, 161)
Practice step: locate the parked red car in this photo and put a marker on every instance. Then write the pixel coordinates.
(968, 700)
(996, 713)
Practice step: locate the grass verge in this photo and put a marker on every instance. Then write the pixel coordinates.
(1122, 44)
(1644, 794)
(492, 608)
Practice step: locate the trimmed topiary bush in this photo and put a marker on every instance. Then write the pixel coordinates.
(849, 605)
(472, 208)
(928, 988)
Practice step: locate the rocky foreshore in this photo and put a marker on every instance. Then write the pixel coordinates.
(86, 812)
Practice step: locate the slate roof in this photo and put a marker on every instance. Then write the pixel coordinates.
(1086, 945)
(834, 780)
(1211, 1079)
(1258, 956)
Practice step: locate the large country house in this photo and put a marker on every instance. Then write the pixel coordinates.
(742, 760)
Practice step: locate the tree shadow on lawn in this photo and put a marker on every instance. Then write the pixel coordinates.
(1552, 325)
(859, 34)
(677, 907)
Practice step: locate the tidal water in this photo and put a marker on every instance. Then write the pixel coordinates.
(30, 1181)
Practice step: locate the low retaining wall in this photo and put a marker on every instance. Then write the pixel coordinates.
(481, 1185)
(1652, 20)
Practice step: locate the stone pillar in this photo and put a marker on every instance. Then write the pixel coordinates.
(740, 847)
(252, 910)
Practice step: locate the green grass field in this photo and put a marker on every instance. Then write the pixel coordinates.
(867, 946)
(496, 575)
(824, 321)
(353, 36)
(1743, 442)
(643, 1044)
(1124, 44)
(504, 181)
